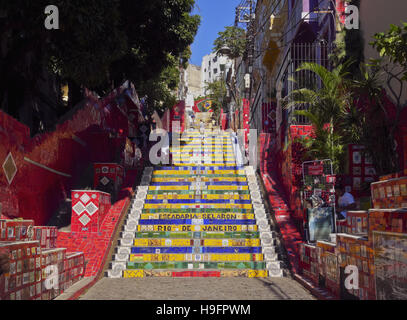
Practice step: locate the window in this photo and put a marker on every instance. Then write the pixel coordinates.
(215, 71)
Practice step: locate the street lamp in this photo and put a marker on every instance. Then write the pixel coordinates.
(226, 51)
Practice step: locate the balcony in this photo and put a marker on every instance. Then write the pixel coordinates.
(301, 12)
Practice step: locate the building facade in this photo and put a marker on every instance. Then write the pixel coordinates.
(214, 67)
(287, 34)
(193, 79)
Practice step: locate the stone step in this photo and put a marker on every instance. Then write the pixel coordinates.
(192, 204)
(202, 222)
(199, 198)
(203, 175)
(124, 255)
(136, 215)
(255, 265)
(189, 242)
(203, 216)
(197, 210)
(129, 241)
(196, 250)
(193, 235)
(208, 170)
(187, 167)
(201, 193)
(196, 273)
(133, 224)
(192, 228)
(176, 180)
(248, 273)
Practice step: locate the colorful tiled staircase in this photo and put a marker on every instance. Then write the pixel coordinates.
(204, 218)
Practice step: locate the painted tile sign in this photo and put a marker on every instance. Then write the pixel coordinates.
(360, 167)
(88, 210)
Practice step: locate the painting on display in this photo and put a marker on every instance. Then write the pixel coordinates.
(320, 223)
(361, 167)
(390, 261)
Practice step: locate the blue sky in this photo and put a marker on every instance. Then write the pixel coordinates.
(215, 16)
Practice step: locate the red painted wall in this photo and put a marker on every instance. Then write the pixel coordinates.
(223, 120)
(246, 119)
(35, 193)
(269, 117)
(287, 165)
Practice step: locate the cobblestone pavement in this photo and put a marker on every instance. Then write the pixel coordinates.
(198, 289)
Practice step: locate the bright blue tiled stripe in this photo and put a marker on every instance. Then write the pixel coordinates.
(170, 184)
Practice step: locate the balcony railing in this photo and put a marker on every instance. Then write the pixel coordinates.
(301, 53)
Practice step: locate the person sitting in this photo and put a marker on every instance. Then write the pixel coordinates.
(346, 202)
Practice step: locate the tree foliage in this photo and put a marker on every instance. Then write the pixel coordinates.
(99, 45)
(344, 111)
(372, 126)
(159, 89)
(326, 107)
(234, 38)
(393, 45)
(325, 143)
(157, 31)
(217, 92)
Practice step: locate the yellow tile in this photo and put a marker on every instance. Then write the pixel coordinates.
(141, 242)
(228, 273)
(133, 274)
(181, 242)
(212, 243)
(257, 274)
(258, 257)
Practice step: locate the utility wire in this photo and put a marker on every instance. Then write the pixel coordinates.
(268, 15)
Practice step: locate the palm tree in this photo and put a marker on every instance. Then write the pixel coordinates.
(325, 143)
(327, 105)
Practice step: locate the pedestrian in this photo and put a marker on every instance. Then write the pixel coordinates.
(346, 202)
(202, 127)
